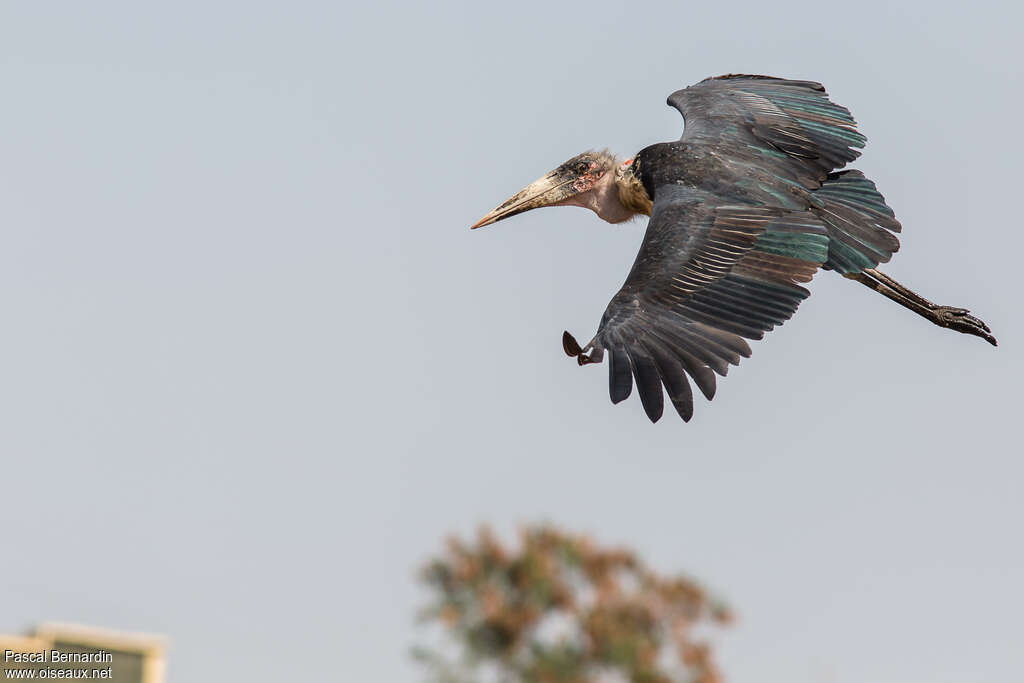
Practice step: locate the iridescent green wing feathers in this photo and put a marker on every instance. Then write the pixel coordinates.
(792, 136)
(860, 224)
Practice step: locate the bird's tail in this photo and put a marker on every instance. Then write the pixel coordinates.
(860, 224)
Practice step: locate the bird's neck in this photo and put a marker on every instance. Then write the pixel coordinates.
(631, 193)
(616, 197)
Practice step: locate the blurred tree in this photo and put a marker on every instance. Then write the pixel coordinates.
(562, 610)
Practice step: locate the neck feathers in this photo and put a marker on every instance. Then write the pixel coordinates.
(632, 194)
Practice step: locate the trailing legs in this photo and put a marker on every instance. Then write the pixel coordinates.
(951, 317)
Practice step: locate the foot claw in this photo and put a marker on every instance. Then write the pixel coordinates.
(571, 346)
(961, 320)
(573, 350)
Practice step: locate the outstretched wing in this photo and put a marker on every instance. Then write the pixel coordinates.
(789, 128)
(709, 275)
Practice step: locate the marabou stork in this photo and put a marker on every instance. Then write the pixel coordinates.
(746, 205)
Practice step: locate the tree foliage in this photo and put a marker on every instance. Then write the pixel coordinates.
(560, 609)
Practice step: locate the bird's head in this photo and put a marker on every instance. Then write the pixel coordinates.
(583, 180)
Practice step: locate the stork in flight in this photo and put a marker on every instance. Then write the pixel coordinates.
(746, 205)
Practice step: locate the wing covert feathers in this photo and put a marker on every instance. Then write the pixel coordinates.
(760, 116)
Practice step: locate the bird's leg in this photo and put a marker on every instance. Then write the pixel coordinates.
(573, 350)
(951, 317)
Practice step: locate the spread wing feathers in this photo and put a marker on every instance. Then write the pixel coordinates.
(790, 127)
(860, 223)
(706, 279)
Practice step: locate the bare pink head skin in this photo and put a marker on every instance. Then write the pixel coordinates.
(593, 180)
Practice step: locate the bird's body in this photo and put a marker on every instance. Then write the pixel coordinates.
(744, 208)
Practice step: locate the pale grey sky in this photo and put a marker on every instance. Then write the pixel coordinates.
(255, 366)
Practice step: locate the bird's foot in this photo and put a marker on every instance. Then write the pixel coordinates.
(573, 350)
(961, 320)
(950, 317)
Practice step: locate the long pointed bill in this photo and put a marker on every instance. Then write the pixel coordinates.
(553, 188)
